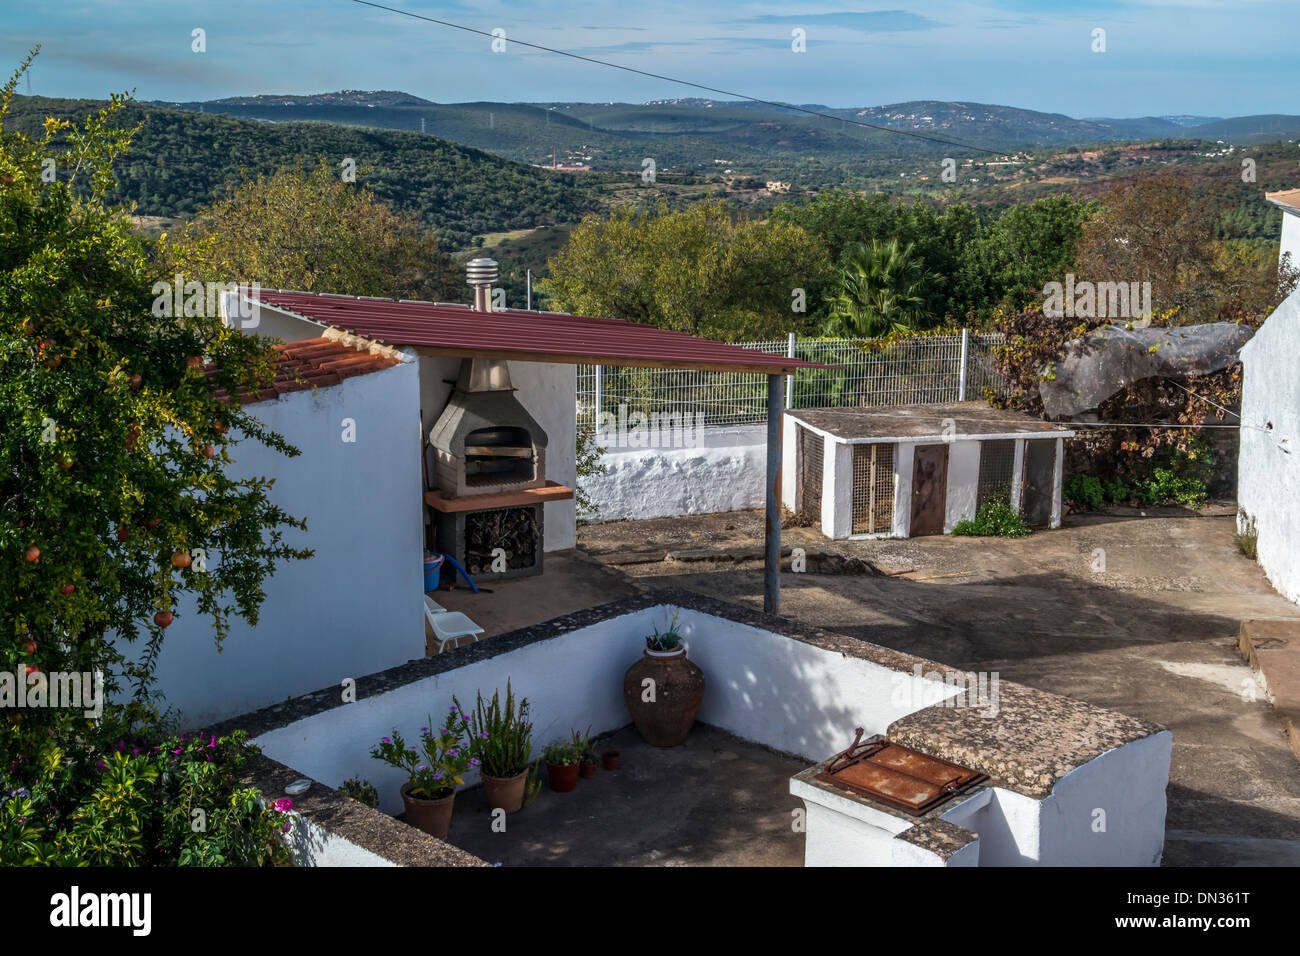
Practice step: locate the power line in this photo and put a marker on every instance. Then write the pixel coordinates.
(698, 86)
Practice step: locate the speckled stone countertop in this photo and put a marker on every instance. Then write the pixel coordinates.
(940, 837)
(1034, 740)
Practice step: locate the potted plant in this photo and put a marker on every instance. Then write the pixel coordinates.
(430, 790)
(590, 758)
(663, 690)
(501, 739)
(609, 759)
(562, 759)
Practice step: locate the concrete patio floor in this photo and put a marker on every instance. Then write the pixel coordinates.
(716, 800)
(1138, 614)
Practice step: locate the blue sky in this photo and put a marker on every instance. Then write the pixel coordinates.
(1203, 57)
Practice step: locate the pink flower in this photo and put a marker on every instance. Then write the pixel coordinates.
(283, 805)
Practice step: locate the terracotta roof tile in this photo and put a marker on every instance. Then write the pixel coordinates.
(1290, 198)
(310, 364)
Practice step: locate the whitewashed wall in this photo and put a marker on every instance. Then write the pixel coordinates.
(354, 608)
(724, 473)
(1268, 470)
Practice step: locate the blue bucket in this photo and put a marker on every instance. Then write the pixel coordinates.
(432, 571)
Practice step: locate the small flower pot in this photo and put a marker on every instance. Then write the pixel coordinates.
(505, 793)
(609, 759)
(586, 769)
(562, 777)
(431, 816)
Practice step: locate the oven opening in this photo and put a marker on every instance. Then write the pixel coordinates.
(499, 455)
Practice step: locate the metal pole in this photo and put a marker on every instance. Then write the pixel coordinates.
(772, 559)
(789, 379)
(529, 306)
(961, 381)
(599, 397)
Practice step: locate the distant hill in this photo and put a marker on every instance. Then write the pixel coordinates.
(700, 134)
(181, 160)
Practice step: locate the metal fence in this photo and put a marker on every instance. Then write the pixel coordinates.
(924, 369)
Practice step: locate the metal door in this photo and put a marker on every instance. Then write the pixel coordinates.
(1036, 485)
(929, 489)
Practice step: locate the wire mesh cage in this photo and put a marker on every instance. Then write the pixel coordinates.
(811, 472)
(873, 488)
(997, 466)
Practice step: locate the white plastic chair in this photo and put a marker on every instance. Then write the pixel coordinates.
(447, 625)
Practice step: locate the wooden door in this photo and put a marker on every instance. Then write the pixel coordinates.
(929, 489)
(1036, 485)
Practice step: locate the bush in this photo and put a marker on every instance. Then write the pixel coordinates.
(174, 801)
(994, 519)
(362, 791)
(1085, 490)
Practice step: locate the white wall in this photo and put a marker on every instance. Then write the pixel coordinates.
(549, 392)
(354, 608)
(1290, 238)
(1268, 470)
(724, 473)
(963, 482)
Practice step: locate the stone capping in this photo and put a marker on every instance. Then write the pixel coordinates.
(1034, 740)
(355, 822)
(939, 837)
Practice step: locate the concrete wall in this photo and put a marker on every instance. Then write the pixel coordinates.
(724, 473)
(549, 392)
(1268, 473)
(1290, 238)
(354, 608)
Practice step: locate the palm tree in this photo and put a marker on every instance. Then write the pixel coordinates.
(882, 288)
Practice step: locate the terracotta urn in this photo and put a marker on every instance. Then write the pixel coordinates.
(431, 816)
(665, 710)
(505, 793)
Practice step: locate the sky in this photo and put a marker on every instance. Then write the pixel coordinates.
(1161, 57)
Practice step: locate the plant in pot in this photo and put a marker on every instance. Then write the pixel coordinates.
(562, 760)
(589, 760)
(663, 690)
(501, 739)
(432, 776)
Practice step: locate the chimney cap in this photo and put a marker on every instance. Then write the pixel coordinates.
(481, 271)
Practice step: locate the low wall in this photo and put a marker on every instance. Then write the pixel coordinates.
(1052, 761)
(724, 473)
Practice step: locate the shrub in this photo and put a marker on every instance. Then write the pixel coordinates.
(501, 738)
(174, 801)
(1085, 490)
(994, 519)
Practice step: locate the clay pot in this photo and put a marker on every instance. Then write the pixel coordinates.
(431, 816)
(609, 759)
(679, 689)
(587, 770)
(505, 793)
(562, 777)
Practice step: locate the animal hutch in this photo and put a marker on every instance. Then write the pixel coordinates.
(912, 470)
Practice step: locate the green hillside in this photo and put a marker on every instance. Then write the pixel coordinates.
(182, 159)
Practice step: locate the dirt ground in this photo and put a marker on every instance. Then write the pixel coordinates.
(1135, 611)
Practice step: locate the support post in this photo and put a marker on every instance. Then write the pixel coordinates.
(789, 379)
(961, 379)
(772, 557)
(529, 305)
(599, 397)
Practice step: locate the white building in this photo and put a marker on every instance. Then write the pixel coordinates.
(1268, 469)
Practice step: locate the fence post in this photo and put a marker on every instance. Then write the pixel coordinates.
(961, 378)
(789, 379)
(599, 397)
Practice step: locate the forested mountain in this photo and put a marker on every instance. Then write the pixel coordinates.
(181, 160)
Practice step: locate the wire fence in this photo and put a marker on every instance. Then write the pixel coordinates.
(921, 370)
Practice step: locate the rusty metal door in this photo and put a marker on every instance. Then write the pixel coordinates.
(1036, 484)
(929, 489)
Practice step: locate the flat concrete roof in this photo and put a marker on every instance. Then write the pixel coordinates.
(955, 421)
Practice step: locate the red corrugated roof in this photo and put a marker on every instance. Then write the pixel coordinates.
(311, 363)
(528, 336)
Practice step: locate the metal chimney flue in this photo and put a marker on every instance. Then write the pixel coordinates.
(481, 273)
